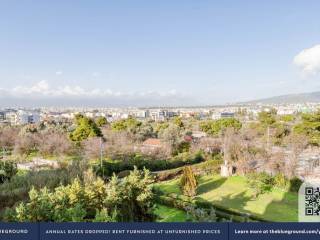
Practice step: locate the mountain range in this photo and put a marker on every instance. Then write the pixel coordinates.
(289, 98)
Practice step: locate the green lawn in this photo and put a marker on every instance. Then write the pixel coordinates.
(233, 193)
(167, 214)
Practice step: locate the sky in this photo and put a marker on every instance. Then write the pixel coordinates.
(161, 53)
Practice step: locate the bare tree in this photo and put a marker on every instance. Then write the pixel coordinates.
(171, 136)
(92, 147)
(26, 143)
(208, 145)
(296, 144)
(8, 136)
(241, 152)
(118, 143)
(54, 143)
(276, 161)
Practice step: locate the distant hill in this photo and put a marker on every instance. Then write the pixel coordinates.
(290, 98)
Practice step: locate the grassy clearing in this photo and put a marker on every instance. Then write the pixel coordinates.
(233, 193)
(167, 214)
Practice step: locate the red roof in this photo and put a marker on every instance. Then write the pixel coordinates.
(188, 138)
(152, 142)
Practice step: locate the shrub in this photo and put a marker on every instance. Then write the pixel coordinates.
(260, 182)
(183, 159)
(281, 181)
(108, 167)
(208, 167)
(129, 199)
(183, 147)
(222, 213)
(295, 184)
(201, 215)
(169, 174)
(20, 184)
(7, 170)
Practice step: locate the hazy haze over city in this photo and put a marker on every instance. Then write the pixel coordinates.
(147, 53)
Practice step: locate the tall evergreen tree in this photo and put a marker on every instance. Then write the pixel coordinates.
(188, 182)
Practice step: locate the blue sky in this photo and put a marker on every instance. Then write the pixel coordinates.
(157, 52)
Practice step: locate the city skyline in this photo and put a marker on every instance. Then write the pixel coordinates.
(156, 54)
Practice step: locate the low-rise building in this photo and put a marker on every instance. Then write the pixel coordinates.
(26, 117)
(11, 117)
(20, 117)
(220, 115)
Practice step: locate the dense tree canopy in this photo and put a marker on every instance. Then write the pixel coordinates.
(178, 122)
(215, 127)
(267, 117)
(310, 126)
(287, 118)
(86, 128)
(101, 121)
(129, 124)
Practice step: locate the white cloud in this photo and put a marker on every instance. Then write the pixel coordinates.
(42, 89)
(59, 73)
(309, 60)
(96, 74)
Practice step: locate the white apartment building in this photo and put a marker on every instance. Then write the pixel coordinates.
(161, 115)
(90, 114)
(216, 116)
(25, 117)
(142, 114)
(11, 117)
(285, 111)
(21, 117)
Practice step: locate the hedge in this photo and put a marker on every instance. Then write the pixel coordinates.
(181, 202)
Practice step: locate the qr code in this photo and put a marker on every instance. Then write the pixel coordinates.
(312, 201)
